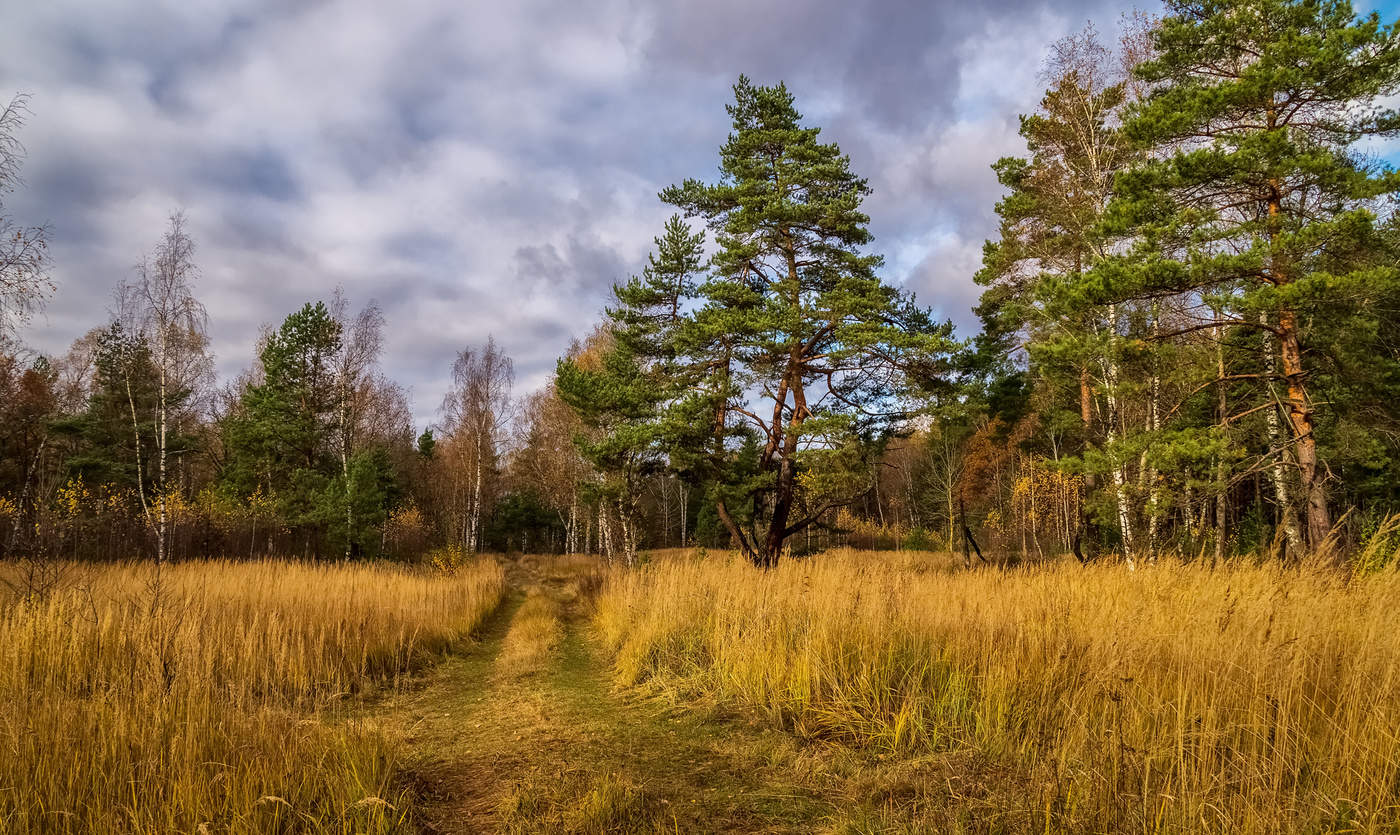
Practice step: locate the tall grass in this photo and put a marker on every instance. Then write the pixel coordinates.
(215, 701)
(534, 633)
(1173, 698)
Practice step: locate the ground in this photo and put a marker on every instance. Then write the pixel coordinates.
(496, 746)
(525, 732)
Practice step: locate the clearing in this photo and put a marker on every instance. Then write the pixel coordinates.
(523, 732)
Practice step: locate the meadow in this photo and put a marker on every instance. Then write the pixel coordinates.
(1178, 697)
(849, 692)
(217, 696)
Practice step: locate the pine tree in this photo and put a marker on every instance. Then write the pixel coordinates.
(1255, 199)
(281, 438)
(794, 342)
(106, 447)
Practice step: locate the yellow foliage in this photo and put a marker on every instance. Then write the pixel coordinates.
(450, 559)
(871, 528)
(406, 529)
(71, 499)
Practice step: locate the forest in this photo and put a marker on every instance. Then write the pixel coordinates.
(1189, 346)
(776, 547)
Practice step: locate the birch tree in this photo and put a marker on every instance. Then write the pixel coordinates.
(160, 303)
(24, 280)
(1051, 236)
(476, 415)
(362, 341)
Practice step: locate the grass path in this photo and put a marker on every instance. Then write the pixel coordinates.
(522, 733)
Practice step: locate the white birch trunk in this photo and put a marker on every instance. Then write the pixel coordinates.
(1120, 478)
(164, 416)
(1278, 474)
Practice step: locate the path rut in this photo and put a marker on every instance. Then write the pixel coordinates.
(489, 749)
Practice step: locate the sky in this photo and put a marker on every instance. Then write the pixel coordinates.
(485, 168)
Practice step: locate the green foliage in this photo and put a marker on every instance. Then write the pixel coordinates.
(106, 446)
(427, 444)
(1257, 202)
(279, 440)
(523, 521)
(790, 303)
(373, 491)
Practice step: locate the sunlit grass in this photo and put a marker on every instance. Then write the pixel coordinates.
(1174, 698)
(535, 631)
(217, 700)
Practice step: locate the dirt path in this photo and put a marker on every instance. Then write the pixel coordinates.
(523, 733)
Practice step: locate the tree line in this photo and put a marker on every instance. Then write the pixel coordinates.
(1189, 343)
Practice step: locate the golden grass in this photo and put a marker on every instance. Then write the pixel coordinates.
(1174, 698)
(575, 803)
(534, 633)
(220, 702)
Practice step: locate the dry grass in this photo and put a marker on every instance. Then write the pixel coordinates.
(577, 803)
(1175, 698)
(534, 633)
(218, 702)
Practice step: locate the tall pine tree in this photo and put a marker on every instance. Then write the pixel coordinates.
(1256, 110)
(793, 353)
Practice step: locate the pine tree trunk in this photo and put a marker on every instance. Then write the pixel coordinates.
(736, 534)
(786, 487)
(1300, 414)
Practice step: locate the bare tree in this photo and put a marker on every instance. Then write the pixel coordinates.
(548, 462)
(476, 415)
(160, 303)
(360, 347)
(24, 280)
(77, 370)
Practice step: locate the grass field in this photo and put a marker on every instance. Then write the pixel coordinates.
(852, 692)
(1174, 698)
(218, 699)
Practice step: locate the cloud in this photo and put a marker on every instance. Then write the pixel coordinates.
(484, 169)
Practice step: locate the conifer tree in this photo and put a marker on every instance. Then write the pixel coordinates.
(792, 353)
(621, 391)
(280, 441)
(1254, 200)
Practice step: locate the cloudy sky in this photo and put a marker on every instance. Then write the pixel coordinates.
(485, 168)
